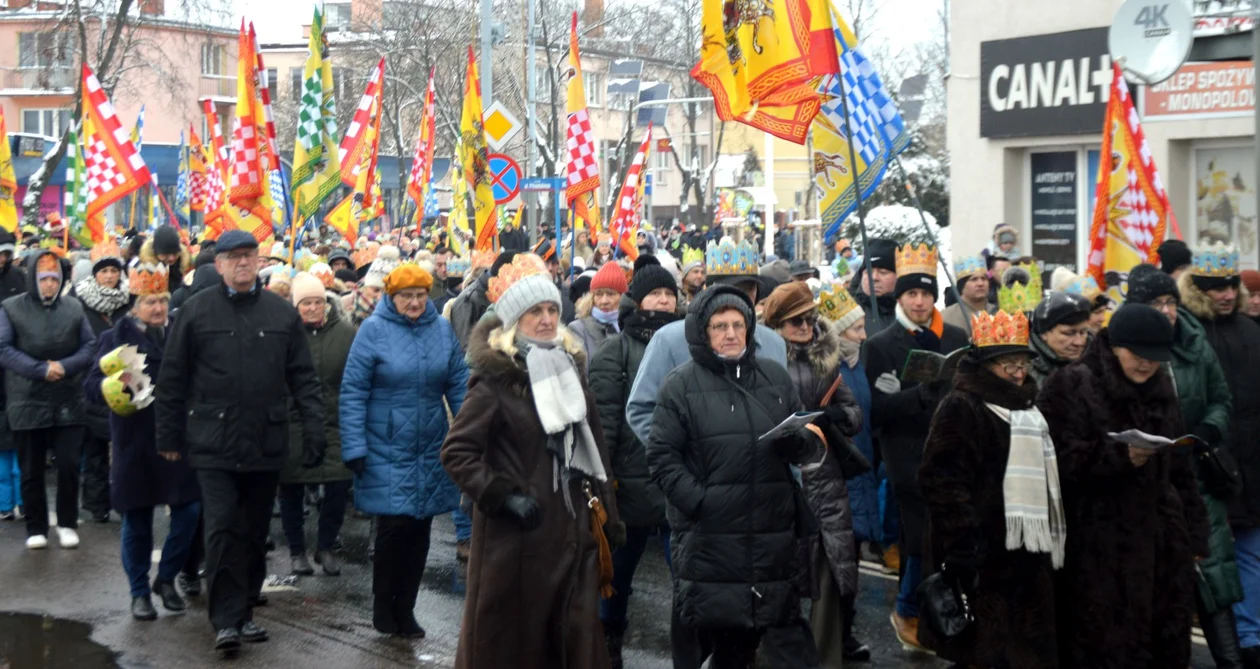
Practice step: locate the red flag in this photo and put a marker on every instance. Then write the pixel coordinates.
(422, 163)
(625, 224)
(113, 165)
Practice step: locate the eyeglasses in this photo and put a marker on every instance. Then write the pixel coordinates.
(1163, 303)
(806, 320)
(1013, 368)
(411, 297)
(737, 327)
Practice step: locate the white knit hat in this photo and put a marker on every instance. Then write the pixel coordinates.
(306, 285)
(523, 296)
(387, 259)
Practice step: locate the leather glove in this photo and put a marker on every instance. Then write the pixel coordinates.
(357, 465)
(888, 383)
(524, 509)
(313, 457)
(961, 571)
(837, 416)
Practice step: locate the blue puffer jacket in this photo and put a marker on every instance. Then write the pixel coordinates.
(863, 490)
(392, 413)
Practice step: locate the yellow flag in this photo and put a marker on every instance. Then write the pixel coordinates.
(457, 219)
(8, 181)
(316, 163)
(474, 156)
(582, 167)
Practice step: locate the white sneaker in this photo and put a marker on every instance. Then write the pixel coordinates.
(37, 542)
(67, 537)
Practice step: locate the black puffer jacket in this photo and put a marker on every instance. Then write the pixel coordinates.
(231, 364)
(468, 308)
(732, 500)
(1236, 340)
(641, 502)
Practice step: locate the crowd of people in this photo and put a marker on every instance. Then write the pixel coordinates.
(1058, 478)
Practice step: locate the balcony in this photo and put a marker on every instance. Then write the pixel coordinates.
(39, 80)
(215, 86)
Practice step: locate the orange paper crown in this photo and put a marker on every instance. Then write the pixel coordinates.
(105, 249)
(148, 279)
(917, 259)
(523, 265)
(364, 256)
(1000, 329)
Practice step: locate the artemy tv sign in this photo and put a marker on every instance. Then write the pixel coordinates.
(1045, 84)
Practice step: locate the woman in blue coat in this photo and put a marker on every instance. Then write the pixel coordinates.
(141, 478)
(405, 367)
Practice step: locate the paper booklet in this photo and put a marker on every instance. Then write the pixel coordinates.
(1154, 442)
(790, 425)
(927, 366)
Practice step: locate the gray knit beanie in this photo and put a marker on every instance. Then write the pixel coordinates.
(523, 296)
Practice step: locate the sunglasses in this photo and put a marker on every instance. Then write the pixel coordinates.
(802, 321)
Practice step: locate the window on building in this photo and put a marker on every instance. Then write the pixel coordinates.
(44, 50)
(620, 101)
(593, 83)
(272, 83)
(545, 82)
(213, 60)
(295, 83)
(397, 13)
(46, 122)
(341, 84)
(664, 160)
(702, 153)
(337, 16)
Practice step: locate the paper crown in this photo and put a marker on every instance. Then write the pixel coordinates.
(1217, 260)
(1085, 286)
(148, 279)
(691, 255)
(364, 256)
(105, 249)
(523, 265)
(1000, 329)
(457, 267)
(1019, 298)
(916, 259)
(730, 259)
(834, 302)
(483, 259)
(307, 261)
(969, 266)
(321, 271)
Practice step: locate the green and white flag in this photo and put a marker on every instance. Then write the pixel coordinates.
(316, 163)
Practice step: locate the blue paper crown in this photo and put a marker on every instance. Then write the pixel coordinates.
(1217, 260)
(731, 259)
(458, 267)
(1085, 286)
(968, 266)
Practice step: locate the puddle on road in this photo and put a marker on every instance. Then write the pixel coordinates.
(29, 640)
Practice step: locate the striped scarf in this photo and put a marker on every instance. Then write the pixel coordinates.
(1030, 488)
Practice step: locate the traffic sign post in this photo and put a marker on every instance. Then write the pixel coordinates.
(505, 177)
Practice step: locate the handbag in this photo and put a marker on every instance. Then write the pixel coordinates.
(943, 607)
(1218, 471)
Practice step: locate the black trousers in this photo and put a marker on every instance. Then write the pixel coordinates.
(237, 508)
(95, 474)
(402, 549)
(66, 443)
(789, 646)
(197, 551)
(332, 512)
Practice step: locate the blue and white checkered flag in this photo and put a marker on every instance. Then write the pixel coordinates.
(430, 202)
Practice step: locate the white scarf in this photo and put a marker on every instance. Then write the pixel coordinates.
(1030, 488)
(559, 401)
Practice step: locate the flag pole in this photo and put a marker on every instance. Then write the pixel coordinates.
(861, 206)
(914, 196)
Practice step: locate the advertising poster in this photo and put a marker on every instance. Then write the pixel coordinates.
(1225, 199)
(1054, 209)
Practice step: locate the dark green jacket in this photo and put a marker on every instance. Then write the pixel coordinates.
(330, 346)
(1206, 407)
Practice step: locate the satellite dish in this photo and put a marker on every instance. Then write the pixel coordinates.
(1151, 39)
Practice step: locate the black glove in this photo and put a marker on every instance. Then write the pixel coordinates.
(524, 509)
(312, 458)
(357, 465)
(837, 416)
(961, 571)
(792, 447)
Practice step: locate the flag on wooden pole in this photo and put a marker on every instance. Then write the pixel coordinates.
(582, 163)
(360, 144)
(474, 157)
(422, 163)
(216, 156)
(625, 225)
(249, 195)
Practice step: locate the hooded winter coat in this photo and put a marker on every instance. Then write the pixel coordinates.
(32, 332)
(330, 347)
(639, 500)
(964, 465)
(1206, 407)
(12, 282)
(1236, 340)
(139, 477)
(181, 267)
(731, 499)
(1125, 596)
(902, 420)
(467, 309)
(396, 380)
(1044, 360)
(533, 597)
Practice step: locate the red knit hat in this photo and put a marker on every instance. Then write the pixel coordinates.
(610, 276)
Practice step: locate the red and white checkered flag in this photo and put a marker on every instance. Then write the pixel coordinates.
(113, 166)
(582, 164)
(625, 224)
(353, 144)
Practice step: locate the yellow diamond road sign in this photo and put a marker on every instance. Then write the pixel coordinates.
(501, 126)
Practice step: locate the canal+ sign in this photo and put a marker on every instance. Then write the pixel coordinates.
(1045, 84)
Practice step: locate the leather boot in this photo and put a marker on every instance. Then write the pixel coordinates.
(614, 637)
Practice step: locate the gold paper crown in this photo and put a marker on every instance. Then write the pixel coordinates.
(1000, 329)
(523, 265)
(364, 256)
(105, 249)
(834, 302)
(1021, 298)
(148, 279)
(691, 255)
(917, 259)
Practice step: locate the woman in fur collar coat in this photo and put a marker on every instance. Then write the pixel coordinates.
(534, 575)
(1125, 596)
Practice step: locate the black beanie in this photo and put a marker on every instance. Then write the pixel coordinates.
(346, 275)
(925, 281)
(580, 286)
(136, 243)
(1147, 282)
(644, 260)
(1142, 330)
(883, 254)
(1173, 253)
(204, 257)
(649, 279)
(165, 240)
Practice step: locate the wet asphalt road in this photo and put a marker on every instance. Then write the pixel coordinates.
(315, 621)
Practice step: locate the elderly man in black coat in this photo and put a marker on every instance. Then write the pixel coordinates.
(235, 357)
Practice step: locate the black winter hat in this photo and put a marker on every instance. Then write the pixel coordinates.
(1147, 282)
(1143, 330)
(133, 248)
(1060, 308)
(7, 241)
(649, 279)
(204, 257)
(165, 240)
(504, 258)
(346, 275)
(580, 286)
(644, 260)
(1173, 253)
(107, 261)
(910, 281)
(883, 254)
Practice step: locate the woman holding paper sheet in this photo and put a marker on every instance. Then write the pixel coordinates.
(142, 479)
(1125, 595)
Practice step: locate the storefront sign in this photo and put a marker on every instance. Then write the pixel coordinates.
(1222, 17)
(1044, 85)
(1201, 90)
(1054, 208)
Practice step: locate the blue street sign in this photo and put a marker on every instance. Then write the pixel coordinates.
(647, 185)
(542, 184)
